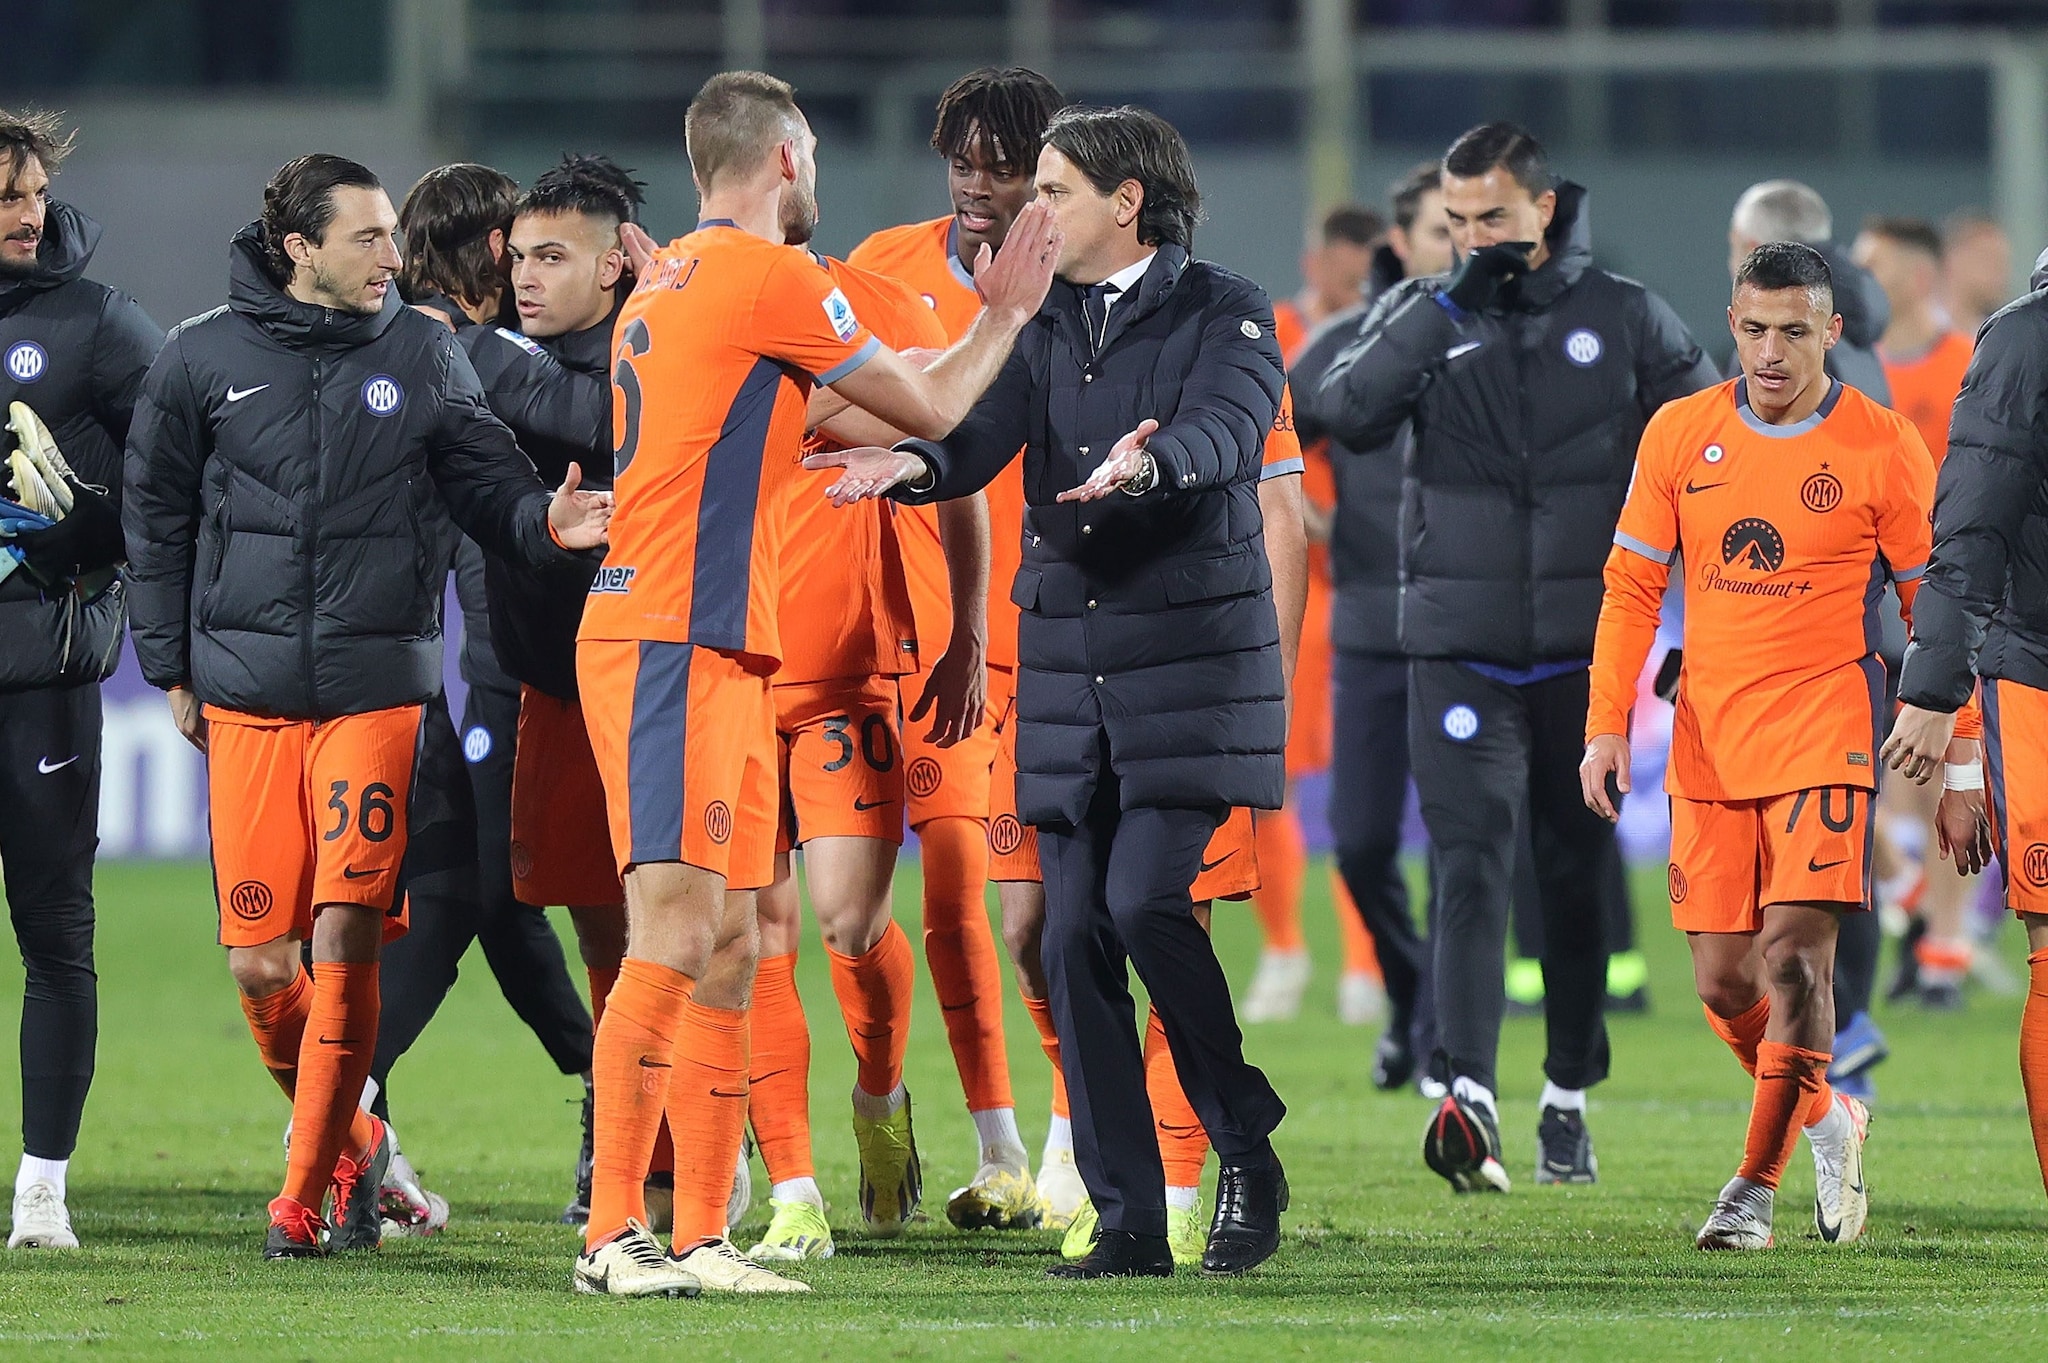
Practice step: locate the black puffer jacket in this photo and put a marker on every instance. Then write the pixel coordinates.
(1365, 532)
(1983, 605)
(288, 470)
(1147, 621)
(75, 351)
(1522, 430)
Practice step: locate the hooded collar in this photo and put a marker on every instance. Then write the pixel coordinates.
(1169, 263)
(1570, 239)
(292, 324)
(69, 238)
(446, 306)
(589, 351)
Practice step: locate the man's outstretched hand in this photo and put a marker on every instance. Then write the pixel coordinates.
(1606, 759)
(870, 471)
(1127, 460)
(581, 520)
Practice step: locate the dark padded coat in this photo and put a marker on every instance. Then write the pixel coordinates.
(1522, 428)
(288, 473)
(1148, 624)
(75, 351)
(1983, 604)
(1365, 531)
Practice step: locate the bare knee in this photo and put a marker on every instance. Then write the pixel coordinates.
(1796, 971)
(1729, 996)
(262, 971)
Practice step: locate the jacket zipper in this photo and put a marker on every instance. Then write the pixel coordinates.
(1528, 620)
(311, 529)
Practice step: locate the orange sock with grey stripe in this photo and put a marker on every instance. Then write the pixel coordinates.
(707, 1111)
(960, 950)
(631, 1068)
(779, 1099)
(874, 990)
(335, 1051)
(1049, 1042)
(2034, 1055)
(1183, 1141)
(1788, 1078)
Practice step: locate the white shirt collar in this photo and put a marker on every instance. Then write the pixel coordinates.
(1126, 279)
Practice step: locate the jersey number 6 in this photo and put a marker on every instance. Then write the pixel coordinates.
(635, 342)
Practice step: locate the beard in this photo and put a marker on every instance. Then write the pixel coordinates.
(799, 216)
(347, 297)
(16, 268)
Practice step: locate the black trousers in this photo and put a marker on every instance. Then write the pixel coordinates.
(1116, 891)
(458, 874)
(1487, 756)
(1617, 905)
(50, 791)
(1368, 794)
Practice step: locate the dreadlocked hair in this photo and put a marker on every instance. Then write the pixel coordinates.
(999, 111)
(593, 185)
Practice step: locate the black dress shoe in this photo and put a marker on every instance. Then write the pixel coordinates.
(1120, 1254)
(1246, 1228)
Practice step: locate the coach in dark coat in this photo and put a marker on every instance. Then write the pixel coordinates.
(1150, 696)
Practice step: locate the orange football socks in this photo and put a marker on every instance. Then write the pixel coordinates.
(631, 1069)
(335, 1051)
(278, 1022)
(707, 1111)
(779, 1102)
(1788, 1080)
(1744, 1032)
(874, 992)
(1283, 864)
(960, 949)
(1183, 1141)
(1049, 1042)
(2034, 1054)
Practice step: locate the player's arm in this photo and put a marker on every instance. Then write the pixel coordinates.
(162, 468)
(536, 394)
(919, 472)
(1921, 735)
(1637, 572)
(124, 344)
(1669, 362)
(490, 488)
(1373, 383)
(957, 691)
(1280, 503)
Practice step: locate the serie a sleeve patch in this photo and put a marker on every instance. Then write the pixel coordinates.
(839, 313)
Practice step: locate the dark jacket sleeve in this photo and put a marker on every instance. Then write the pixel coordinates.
(1227, 404)
(490, 489)
(535, 393)
(1373, 384)
(1997, 462)
(123, 345)
(1669, 362)
(165, 460)
(1306, 373)
(981, 446)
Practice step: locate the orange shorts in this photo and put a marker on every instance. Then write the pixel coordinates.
(307, 813)
(842, 776)
(684, 739)
(1230, 863)
(1731, 858)
(2016, 780)
(561, 841)
(1308, 733)
(942, 783)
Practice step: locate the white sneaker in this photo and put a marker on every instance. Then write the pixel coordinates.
(406, 1207)
(1741, 1218)
(632, 1264)
(1361, 1000)
(722, 1268)
(40, 1221)
(742, 1195)
(1060, 1185)
(1275, 995)
(1840, 1204)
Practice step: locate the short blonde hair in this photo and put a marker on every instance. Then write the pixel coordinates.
(735, 121)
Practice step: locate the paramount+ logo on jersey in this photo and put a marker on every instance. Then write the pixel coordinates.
(1752, 553)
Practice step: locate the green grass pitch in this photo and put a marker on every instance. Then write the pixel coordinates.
(1380, 1261)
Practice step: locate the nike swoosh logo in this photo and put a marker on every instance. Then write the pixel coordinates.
(647, 1064)
(237, 394)
(338, 1041)
(865, 805)
(1828, 1233)
(46, 766)
(721, 1093)
(351, 873)
(1209, 866)
(1702, 487)
(1813, 865)
(1466, 349)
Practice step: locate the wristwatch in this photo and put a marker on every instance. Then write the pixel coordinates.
(1145, 479)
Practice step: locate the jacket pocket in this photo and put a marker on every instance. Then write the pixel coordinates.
(1024, 589)
(1237, 574)
(213, 532)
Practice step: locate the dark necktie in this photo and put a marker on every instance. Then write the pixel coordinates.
(1095, 307)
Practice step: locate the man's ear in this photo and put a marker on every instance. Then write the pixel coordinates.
(610, 266)
(1130, 199)
(1546, 207)
(497, 244)
(788, 158)
(297, 248)
(1834, 335)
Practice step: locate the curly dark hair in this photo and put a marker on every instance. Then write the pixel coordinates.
(1001, 111)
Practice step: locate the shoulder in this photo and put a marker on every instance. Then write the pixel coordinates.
(201, 335)
(893, 243)
(885, 303)
(1222, 290)
(1704, 412)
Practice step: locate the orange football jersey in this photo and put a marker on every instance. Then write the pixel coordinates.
(1924, 390)
(845, 596)
(922, 255)
(1786, 534)
(714, 356)
(1290, 329)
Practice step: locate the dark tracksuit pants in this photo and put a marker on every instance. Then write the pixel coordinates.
(50, 790)
(1116, 892)
(1487, 755)
(1368, 795)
